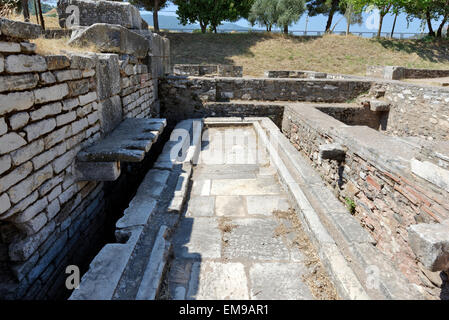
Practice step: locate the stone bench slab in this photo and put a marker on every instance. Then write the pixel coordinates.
(129, 142)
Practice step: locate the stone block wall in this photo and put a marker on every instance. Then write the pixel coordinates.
(214, 70)
(354, 115)
(51, 107)
(386, 196)
(137, 89)
(398, 73)
(182, 97)
(49, 111)
(419, 111)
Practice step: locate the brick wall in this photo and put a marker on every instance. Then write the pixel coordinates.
(387, 199)
(50, 108)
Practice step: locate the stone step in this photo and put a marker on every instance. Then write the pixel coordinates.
(154, 271)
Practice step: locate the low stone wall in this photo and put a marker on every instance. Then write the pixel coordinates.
(304, 74)
(419, 111)
(375, 176)
(197, 70)
(398, 73)
(51, 107)
(300, 74)
(183, 97)
(355, 115)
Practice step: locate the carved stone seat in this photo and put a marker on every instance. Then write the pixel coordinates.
(128, 142)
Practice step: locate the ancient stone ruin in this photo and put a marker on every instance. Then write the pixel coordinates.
(158, 184)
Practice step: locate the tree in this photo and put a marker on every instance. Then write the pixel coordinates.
(281, 13)
(289, 12)
(151, 5)
(384, 7)
(264, 13)
(326, 7)
(352, 17)
(427, 11)
(25, 10)
(212, 12)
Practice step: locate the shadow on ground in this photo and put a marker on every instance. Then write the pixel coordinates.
(212, 48)
(431, 50)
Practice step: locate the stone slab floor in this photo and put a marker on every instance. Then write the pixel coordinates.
(229, 244)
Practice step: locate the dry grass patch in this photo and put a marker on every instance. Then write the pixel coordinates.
(60, 46)
(50, 18)
(330, 53)
(317, 278)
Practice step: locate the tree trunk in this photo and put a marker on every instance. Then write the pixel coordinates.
(381, 22)
(36, 12)
(429, 24)
(203, 27)
(348, 25)
(41, 15)
(286, 29)
(156, 16)
(440, 28)
(26, 11)
(394, 25)
(331, 15)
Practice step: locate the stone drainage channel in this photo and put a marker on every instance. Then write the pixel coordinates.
(223, 214)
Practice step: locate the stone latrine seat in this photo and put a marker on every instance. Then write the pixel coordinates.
(130, 141)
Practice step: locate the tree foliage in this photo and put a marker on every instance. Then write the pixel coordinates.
(326, 7)
(281, 13)
(151, 5)
(212, 12)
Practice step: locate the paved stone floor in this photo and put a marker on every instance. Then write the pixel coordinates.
(228, 244)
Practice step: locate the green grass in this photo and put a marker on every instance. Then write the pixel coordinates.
(350, 204)
(331, 53)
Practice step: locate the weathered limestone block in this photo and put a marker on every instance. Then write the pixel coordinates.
(23, 63)
(15, 101)
(5, 204)
(379, 106)
(28, 47)
(223, 70)
(112, 38)
(111, 12)
(40, 128)
(3, 126)
(10, 142)
(5, 163)
(18, 120)
(431, 173)
(97, 171)
(332, 151)
(19, 82)
(108, 76)
(430, 243)
(83, 61)
(9, 47)
(55, 62)
(47, 78)
(110, 113)
(53, 93)
(19, 30)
